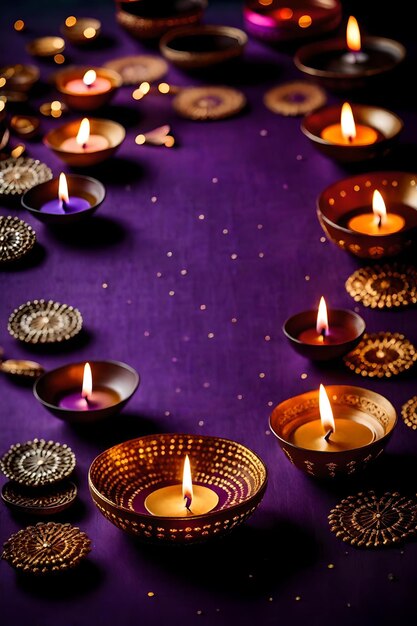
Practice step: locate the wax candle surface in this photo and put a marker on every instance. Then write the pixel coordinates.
(74, 205)
(365, 135)
(100, 398)
(77, 86)
(95, 143)
(366, 224)
(347, 436)
(169, 502)
(336, 335)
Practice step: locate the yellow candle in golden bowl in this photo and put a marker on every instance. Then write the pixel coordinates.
(346, 436)
(348, 133)
(379, 222)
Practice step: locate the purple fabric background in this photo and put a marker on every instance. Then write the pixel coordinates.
(191, 383)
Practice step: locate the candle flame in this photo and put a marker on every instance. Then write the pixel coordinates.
(83, 134)
(347, 122)
(326, 413)
(353, 35)
(63, 188)
(89, 77)
(322, 325)
(379, 208)
(187, 483)
(87, 389)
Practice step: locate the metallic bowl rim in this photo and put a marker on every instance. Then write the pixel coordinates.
(58, 150)
(210, 514)
(201, 29)
(69, 176)
(353, 314)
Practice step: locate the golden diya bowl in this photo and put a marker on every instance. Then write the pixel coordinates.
(121, 478)
(355, 403)
(46, 46)
(147, 19)
(20, 77)
(202, 46)
(113, 133)
(81, 31)
(339, 202)
(86, 101)
(387, 125)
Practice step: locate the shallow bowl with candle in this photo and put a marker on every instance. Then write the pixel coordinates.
(375, 131)
(202, 46)
(343, 206)
(104, 139)
(276, 22)
(81, 31)
(345, 330)
(364, 422)
(131, 476)
(87, 88)
(66, 393)
(147, 19)
(82, 198)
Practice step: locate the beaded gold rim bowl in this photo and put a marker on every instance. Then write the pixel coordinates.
(386, 286)
(37, 463)
(382, 355)
(208, 103)
(16, 239)
(121, 478)
(44, 321)
(47, 548)
(138, 68)
(19, 175)
(41, 502)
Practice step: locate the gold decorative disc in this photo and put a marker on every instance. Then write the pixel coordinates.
(381, 354)
(19, 175)
(409, 413)
(46, 548)
(371, 521)
(138, 68)
(16, 239)
(294, 98)
(44, 321)
(384, 286)
(43, 501)
(21, 367)
(208, 103)
(37, 463)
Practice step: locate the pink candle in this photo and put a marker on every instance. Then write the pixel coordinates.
(84, 142)
(89, 85)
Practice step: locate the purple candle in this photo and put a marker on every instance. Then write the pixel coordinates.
(64, 204)
(88, 399)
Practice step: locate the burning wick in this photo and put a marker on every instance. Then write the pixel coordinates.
(89, 78)
(353, 40)
(322, 325)
(87, 387)
(379, 208)
(187, 484)
(327, 435)
(83, 133)
(63, 191)
(326, 413)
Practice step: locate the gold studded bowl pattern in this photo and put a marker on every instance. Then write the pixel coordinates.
(42, 501)
(47, 548)
(381, 355)
(44, 321)
(37, 463)
(19, 175)
(386, 286)
(409, 413)
(121, 474)
(16, 239)
(371, 521)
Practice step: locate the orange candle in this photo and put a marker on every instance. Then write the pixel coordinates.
(89, 85)
(347, 133)
(84, 142)
(379, 222)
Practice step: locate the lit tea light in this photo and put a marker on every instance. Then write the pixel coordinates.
(379, 222)
(89, 398)
(64, 203)
(84, 141)
(330, 434)
(349, 133)
(89, 84)
(322, 333)
(182, 500)
(353, 41)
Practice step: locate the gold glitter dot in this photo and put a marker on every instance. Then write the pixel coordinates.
(234, 320)
(305, 21)
(183, 272)
(146, 333)
(70, 21)
(169, 141)
(171, 293)
(330, 566)
(140, 139)
(201, 423)
(261, 255)
(356, 188)
(323, 239)
(413, 182)
(154, 199)
(163, 88)
(151, 594)
(270, 403)
(263, 133)
(267, 337)
(343, 194)
(239, 396)
(270, 599)
(210, 335)
(19, 25)
(331, 201)
(225, 231)
(56, 105)
(158, 274)
(178, 390)
(297, 598)
(199, 612)
(261, 375)
(2, 82)
(167, 413)
(303, 376)
(169, 253)
(137, 94)
(201, 217)
(215, 180)
(233, 256)
(104, 285)
(267, 433)
(128, 301)
(203, 307)
(59, 59)
(260, 226)
(145, 87)
(307, 277)
(206, 385)
(299, 157)
(368, 183)
(89, 32)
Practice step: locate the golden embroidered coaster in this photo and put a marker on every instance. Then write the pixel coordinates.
(44, 321)
(381, 354)
(16, 239)
(22, 368)
(294, 98)
(43, 501)
(46, 548)
(19, 175)
(384, 286)
(138, 68)
(409, 413)
(208, 103)
(371, 521)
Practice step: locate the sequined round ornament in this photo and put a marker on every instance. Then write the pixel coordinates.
(382, 354)
(208, 103)
(294, 98)
(19, 175)
(44, 501)
(21, 368)
(371, 521)
(16, 239)
(37, 463)
(384, 286)
(139, 68)
(409, 413)
(42, 321)
(46, 548)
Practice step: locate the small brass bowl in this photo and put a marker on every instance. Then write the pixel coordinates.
(342, 199)
(20, 77)
(203, 46)
(387, 125)
(323, 62)
(46, 46)
(112, 131)
(80, 186)
(87, 101)
(118, 377)
(350, 321)
(361, 405)
(121, 477)
(82, 31)
(147, 19)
